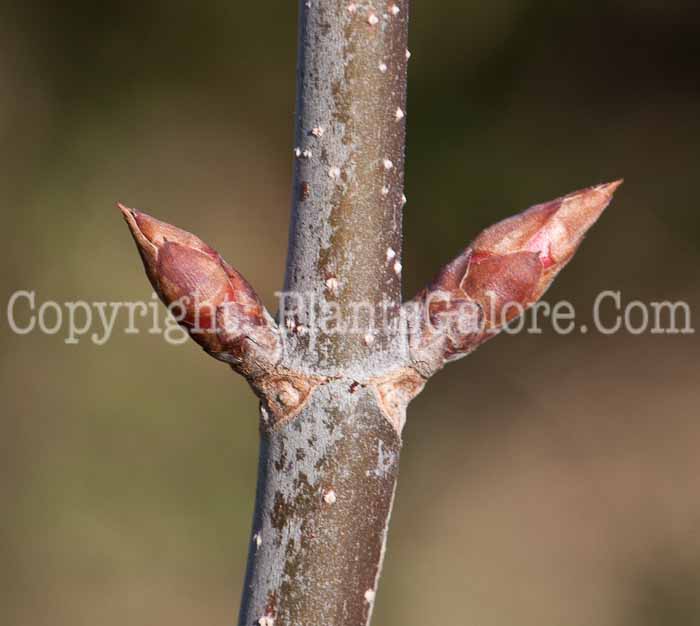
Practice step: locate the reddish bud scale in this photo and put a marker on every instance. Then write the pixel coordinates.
(210, 299)
(507, 268)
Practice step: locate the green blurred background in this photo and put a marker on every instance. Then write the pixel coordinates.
(546, 480)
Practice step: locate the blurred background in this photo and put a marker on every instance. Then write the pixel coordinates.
(546, 480)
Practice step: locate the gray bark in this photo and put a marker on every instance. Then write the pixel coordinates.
(327, 473)
(336, 374)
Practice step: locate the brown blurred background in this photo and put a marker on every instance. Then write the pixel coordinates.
(546, 480)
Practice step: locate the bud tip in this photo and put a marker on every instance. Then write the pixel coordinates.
(126, 211)
(609, 188)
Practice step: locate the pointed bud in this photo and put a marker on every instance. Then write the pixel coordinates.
(553, 230)
(507, 268)
(210, 299)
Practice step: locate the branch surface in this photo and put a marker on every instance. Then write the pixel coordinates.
(333, 404)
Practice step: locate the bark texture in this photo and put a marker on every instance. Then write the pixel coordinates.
(325, 489)
(345, 235)
(338, 368)
(327, 477)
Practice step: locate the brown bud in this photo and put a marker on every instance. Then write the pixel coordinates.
(210, 299)
(553, 230)
(508, 267)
